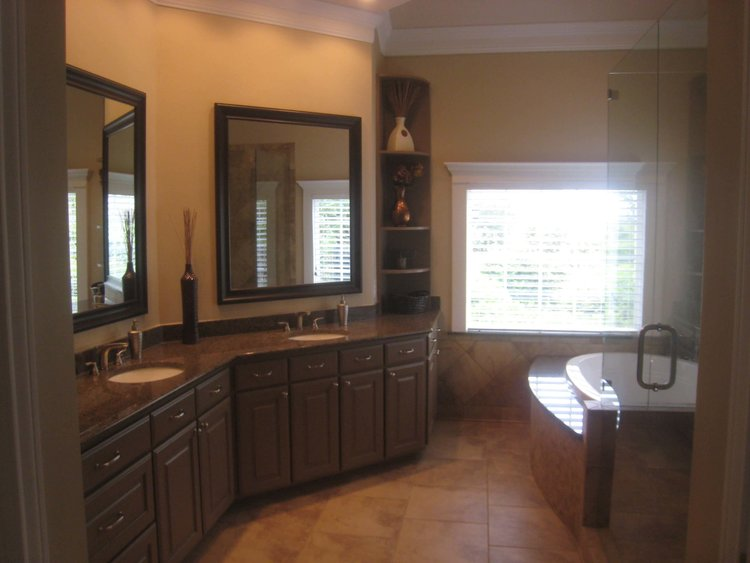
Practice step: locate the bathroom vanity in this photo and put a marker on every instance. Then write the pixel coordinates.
(249, 413)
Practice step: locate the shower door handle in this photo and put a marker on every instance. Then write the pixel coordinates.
(673, 362)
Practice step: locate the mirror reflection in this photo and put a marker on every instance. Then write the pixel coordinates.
(105, 199)
(288, 185)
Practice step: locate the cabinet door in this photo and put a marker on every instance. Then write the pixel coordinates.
(263, 452)
(178, 511)
(215, 446)
(405, 411)
(432, 382)
(315, 429)
(361, 419)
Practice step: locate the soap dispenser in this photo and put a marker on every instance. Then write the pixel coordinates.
(135, 338)
(343, 310)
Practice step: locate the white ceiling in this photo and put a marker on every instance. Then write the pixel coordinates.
(422, 27)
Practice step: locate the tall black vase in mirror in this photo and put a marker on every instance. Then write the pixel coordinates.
(288, 198)
(106, 124)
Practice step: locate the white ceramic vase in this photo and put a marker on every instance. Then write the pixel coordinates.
(400, 138)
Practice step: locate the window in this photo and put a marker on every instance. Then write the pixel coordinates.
(331, 255)
(548, 248)
(261, 242)
(117, 251)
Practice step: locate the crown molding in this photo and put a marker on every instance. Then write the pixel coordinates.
(585, 36)
(306, 15)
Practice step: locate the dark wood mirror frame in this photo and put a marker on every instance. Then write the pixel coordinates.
(107, 88)
(222, 115)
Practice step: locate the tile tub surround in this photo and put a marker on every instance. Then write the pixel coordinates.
(105, 407)
(573, 447)
(485, 376)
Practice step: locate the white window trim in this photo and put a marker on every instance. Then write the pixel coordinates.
(548, 175)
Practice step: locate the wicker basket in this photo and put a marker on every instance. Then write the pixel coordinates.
(412, 303)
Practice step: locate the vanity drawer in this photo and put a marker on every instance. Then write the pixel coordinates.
(313, 366)
(254, 375)
(118, 512)
(212, 392)
(405, 351)
(115, 454)
(362, 359)
(172, 417)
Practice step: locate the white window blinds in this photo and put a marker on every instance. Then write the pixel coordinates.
(331, 246)
(554, 259)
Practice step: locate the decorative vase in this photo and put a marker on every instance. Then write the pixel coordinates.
(128, 283)
(401, 214)
(189, 287)
(400, 139)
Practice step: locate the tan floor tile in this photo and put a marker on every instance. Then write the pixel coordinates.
(514, 490)
(455, 505)
(459, 473)
(537, 528)
(362, 516)
(441, 542)
(448, 446)
(510, 463)
(339, 548)
(522, 555)
(378, 486)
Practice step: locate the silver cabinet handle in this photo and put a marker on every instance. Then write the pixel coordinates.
(347, 383)
(407, 351)
(316, 366)
(216, 390)
(335, 384)
(269, 373)
(177, 416)
(285, 395)
(119, 518)
(114, 459)
(366, 358)
(392, 374)
(204, 425)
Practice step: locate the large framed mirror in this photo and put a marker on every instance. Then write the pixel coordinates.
(288, 203)
(106, 124)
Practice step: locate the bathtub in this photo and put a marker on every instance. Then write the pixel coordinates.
(619, 369)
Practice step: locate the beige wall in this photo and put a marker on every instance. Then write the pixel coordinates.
(186, 62)
(512, 107)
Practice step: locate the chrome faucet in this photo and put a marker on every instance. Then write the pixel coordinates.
(121, 347)
(301, 319)
(315, 322)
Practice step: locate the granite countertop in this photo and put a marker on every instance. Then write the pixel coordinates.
(104, 407)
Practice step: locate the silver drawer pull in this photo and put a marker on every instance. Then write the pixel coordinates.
(316, 366)
(407, 351)
(216, 390)
(115, 459)
(392, 374)
(116, 522)
(269, 373)
(334, 384)
(177, 416)
(348, 383)
(366, 358)
(285, 395)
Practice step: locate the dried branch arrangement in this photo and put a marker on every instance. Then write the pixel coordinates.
(189, 218)
(401, 95)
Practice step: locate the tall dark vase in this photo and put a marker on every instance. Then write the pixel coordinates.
(189, 287)
(128, 283)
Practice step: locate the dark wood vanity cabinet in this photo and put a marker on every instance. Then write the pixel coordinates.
(405, 396)
(315, 428)
(178, 506)
(263, 454)
(361, 419)
(216, 455)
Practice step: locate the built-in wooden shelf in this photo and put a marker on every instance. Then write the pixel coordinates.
(400, 271)
(404, 153)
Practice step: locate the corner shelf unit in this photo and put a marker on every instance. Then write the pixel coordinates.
(404, 256)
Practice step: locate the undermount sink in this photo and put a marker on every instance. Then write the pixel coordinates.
(317, 337)
(146, 374)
